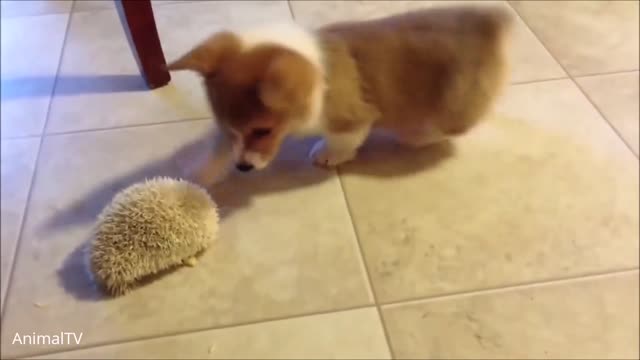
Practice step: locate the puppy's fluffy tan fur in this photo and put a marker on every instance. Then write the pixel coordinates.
(148, 228)
(424, 76)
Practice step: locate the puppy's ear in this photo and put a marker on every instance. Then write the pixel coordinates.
(207, 56)
(287, 83)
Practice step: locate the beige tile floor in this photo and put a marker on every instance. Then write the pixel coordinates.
(519, 241)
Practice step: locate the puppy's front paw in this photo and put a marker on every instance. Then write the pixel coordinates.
(323, 156)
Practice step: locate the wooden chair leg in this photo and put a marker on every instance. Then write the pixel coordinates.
(137, 19)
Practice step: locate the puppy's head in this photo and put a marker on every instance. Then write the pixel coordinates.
(259, 93)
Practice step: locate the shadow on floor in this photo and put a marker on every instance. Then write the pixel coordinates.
(292, 170)
(76, 279)
(35, 86)
(380, 157)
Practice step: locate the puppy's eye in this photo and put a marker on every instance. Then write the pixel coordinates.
(260, 132)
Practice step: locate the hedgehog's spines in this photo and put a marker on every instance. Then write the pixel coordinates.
(153, 215)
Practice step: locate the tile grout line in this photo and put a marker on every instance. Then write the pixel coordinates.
(615, 130)
(293, 15)
(127, 126)
(19, 137)
(567, 75)
(528, 82)
(575, 83)
(35, 172)
(605, 73)
(357, 246)
(91, 10)
(406, 302)
(201, 330)
(115, 127)
(510, 288)
(365, 267)
(23, 16)
(118, 127)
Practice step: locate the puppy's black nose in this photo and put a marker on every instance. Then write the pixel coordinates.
(244, 167)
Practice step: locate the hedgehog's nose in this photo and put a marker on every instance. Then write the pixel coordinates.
(244, 167)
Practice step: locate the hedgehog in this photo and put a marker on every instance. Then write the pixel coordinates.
(150, 228)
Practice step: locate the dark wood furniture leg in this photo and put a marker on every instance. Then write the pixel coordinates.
(137, 19)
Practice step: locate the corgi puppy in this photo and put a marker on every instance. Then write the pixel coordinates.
(424, 76)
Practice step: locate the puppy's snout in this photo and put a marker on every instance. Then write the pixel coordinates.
(244, 167)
